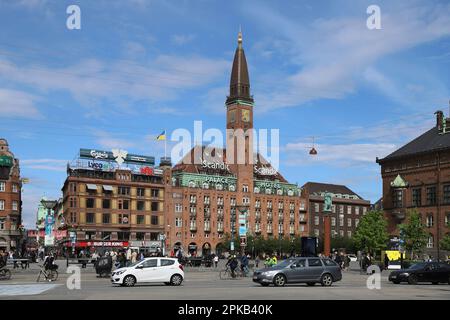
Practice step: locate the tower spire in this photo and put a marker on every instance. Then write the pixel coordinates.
(239, 81)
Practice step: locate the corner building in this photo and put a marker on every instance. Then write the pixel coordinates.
(204, 196)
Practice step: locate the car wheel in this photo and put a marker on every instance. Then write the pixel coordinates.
(264, 284)
(412, 279)
(129, 281)
(279, 280)
(311, 284)
(326, 280)
(176, 280)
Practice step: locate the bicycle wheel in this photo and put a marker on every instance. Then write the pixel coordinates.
(5, 274)
(224, 274)
(52, 275)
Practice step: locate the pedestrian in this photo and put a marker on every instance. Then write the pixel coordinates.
(216, 261)
(386, 261)
(244, 265)
(128, 256)
(257, 261)
(346, 262)
(134, 256)
(338, 259)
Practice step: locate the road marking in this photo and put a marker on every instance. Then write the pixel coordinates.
(25, 289)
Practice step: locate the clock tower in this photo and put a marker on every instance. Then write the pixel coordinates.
(239, 106)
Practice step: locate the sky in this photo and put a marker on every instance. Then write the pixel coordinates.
(137, 67)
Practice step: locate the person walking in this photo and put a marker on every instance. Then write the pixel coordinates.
(244, 265)
(338, 259)
(134, 256)
(346, 262)
(386, 261)
(216, 261)
(257, 261)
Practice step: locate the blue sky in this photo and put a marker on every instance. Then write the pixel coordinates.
(136, 67)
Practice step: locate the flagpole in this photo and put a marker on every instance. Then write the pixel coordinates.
(165, 144)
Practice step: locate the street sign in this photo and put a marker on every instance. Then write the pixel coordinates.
(243, 241)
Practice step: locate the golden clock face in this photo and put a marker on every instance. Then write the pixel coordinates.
(232, 116)
(246, 115)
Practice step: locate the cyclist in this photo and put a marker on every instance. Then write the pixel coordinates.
(49, 262)
(244, 265)
(232, 263)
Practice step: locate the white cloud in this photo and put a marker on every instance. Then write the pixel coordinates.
(182, 39)
(93, 81)
(332, 54)
(15, 103)
(45, 164)
(105, 140)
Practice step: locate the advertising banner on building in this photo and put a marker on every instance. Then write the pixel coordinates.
(49, 239)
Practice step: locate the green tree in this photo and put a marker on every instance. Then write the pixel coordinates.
(413, 233)
(344, 242)
(371, 234)
(445, 243)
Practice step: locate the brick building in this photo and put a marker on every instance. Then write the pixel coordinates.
(10, 199)
(418, 176)
(205, 198)
(347, 209)
(112, 203)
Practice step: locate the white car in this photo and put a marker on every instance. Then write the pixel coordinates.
(166, 270)
(352, 257)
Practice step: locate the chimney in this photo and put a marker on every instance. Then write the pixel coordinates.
(439, 117)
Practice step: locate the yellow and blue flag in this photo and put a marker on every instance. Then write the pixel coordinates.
(162, 136)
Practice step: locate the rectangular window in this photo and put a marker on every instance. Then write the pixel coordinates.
(2, 186)
(2, 224)
(333, 222)
(417, 197)
(73, 202)
(349, 209)
(155, 193)
(431, 196)
(73, 187)
(333, 208)
(140, 219)
(154, 206)
(302, 228)
(446, 194)
(316, 220)
(349, 222)
(141, 205)
(106, 235)
(341, 208)
(123, 236)
(356, 222)
(2, 204)
(397, 198)
(124, 191)
(106, 218)
(90, 217)
(73, 217)
(341, 222)
(106, 204)
(349, 234)
(124, 204)
(140, 236)
(364, 210)
(341, 233)
(316, 232)
(89, 235)
(90, 203)
(15, 205)
(357, 210)
(178, 207)
(140, 192)
(154, 236)
(154, 220)
(244, 188)
(123, 219)
(15, 189)
(316, 207)
(178, 222)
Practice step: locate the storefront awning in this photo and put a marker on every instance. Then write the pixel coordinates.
(108, 188)
(91, 186)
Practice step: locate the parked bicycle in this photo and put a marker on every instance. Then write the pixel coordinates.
(5, 274)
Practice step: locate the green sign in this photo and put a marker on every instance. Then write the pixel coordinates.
(6, 161)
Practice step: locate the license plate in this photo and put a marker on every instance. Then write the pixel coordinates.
(255, 277)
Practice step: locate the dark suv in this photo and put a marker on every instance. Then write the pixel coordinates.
(299, 270)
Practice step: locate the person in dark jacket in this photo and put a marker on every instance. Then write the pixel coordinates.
(386, 261)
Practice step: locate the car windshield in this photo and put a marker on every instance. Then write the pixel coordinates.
(286, 262)
(417, 266)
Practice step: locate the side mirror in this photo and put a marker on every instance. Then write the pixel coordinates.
(293, 266)
(140, 266)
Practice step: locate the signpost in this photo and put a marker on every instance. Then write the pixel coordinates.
(243, 227)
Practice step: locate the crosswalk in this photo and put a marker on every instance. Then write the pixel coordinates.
(25, 289)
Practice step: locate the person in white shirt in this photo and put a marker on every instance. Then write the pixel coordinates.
(216, 261)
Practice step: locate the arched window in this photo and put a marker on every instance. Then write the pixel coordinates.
(430, 242)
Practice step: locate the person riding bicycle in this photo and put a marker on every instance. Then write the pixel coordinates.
(49, 263)
(233, 264)
(244, 264)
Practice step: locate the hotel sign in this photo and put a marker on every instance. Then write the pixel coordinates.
(265, 171)
(6, 161)
(221, 180)
(215, 165)
(269, 185)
